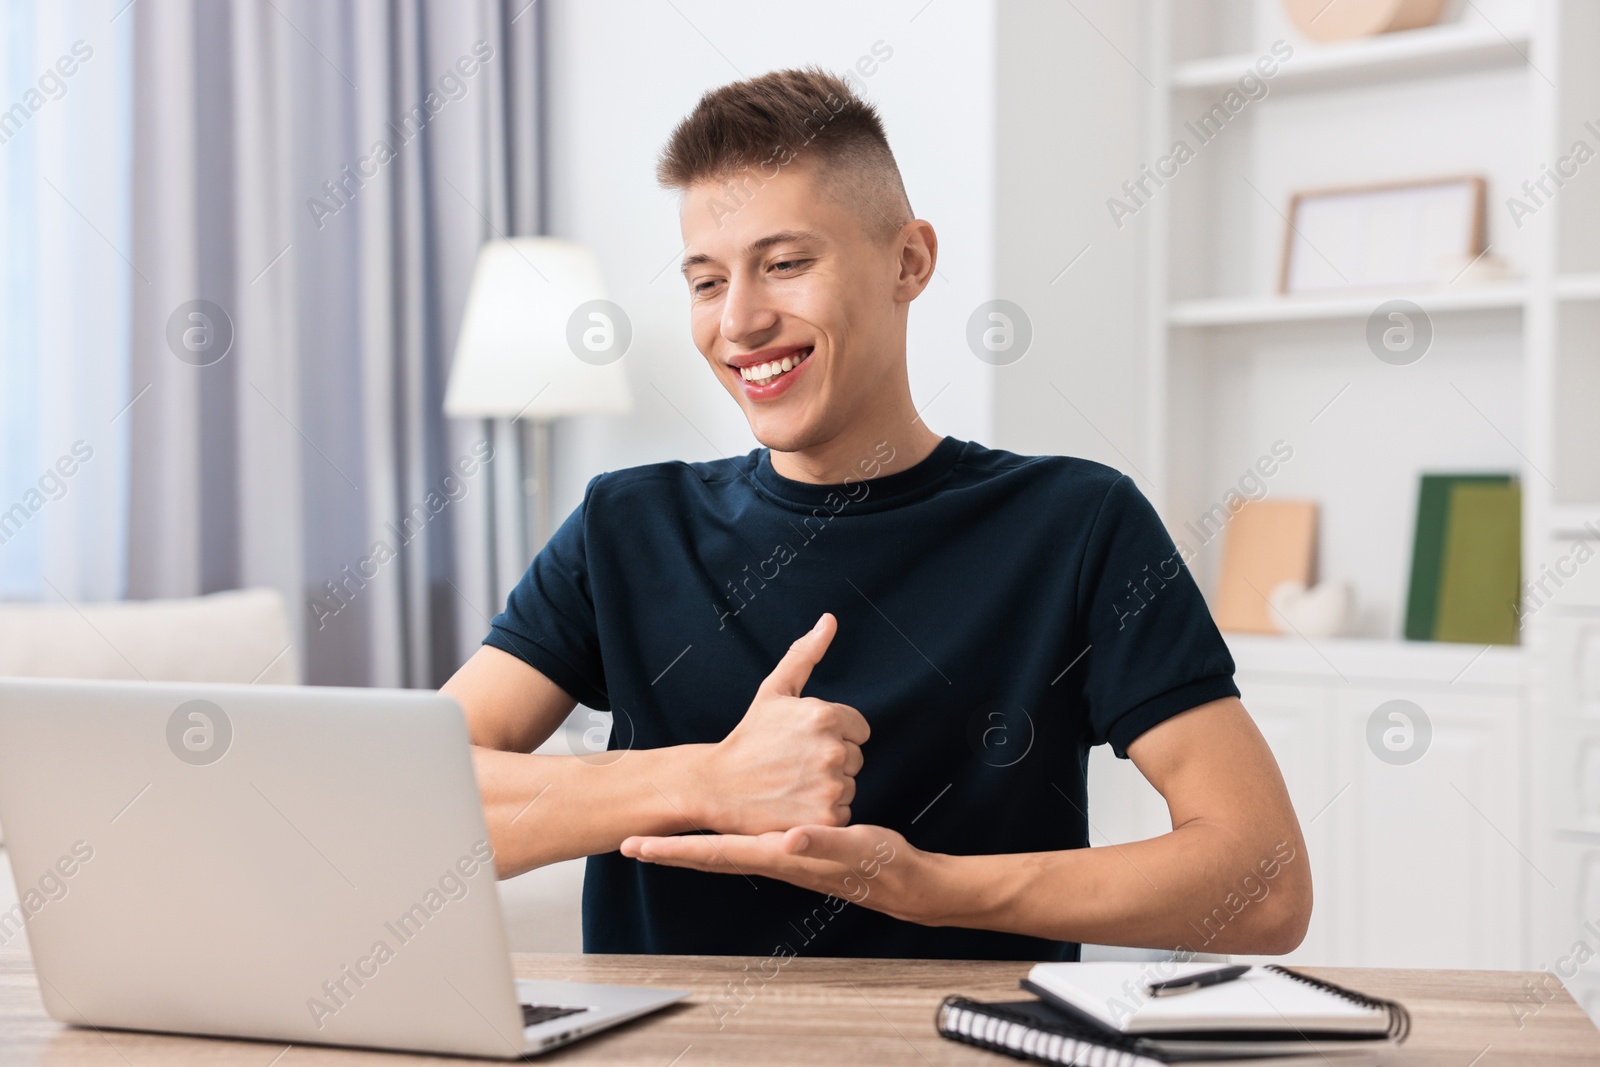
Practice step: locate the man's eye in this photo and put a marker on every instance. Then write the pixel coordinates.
(786, 263)
(700, 287)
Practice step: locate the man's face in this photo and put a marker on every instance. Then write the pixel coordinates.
(783, 273)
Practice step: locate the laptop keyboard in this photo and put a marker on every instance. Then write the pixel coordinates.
(533, 1014)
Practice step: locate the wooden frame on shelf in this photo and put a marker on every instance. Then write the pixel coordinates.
(1470, 193)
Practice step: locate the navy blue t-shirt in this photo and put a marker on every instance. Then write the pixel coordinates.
(998, 615)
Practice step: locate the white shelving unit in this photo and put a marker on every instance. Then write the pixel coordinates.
(1256, 310)
(1439, 50)
(1578, 287)
(1575, 521)
(1251, 311)
(1465, 857)
(1434, 664)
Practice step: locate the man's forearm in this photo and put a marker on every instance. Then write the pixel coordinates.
(1232, 876)
(542, 809)
(789, 761)
(1195, 889)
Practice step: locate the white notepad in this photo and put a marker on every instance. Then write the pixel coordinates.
(1264, 1000)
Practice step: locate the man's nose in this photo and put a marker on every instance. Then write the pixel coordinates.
(747, 314)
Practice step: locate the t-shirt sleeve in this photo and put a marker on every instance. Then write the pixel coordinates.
(1150, 648)
(549, 619)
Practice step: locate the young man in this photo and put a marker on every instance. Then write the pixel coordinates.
(857, 673)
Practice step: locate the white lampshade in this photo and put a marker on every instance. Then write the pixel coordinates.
(516, 355)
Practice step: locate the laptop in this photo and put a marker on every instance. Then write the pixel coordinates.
(304, 865)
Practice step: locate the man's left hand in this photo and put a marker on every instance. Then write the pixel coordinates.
(868, 865)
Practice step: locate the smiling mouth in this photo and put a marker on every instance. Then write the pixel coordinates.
(767, 373)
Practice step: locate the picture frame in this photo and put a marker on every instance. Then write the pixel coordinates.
(1381, 235)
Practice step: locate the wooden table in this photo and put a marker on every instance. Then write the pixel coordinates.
(829, 1012)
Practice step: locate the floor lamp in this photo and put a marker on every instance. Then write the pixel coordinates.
(539, 342)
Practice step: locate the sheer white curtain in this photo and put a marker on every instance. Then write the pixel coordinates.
(65, 246)
(312, 179)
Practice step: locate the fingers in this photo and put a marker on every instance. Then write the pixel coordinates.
(841, 806)
(853, 725)
(707, 852)
(728, 854)
(789, 677)
(853, 759)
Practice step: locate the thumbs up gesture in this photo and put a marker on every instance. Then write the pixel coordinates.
(792, 760)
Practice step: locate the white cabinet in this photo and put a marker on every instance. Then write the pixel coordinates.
(1295, 721)
(1565, 912)
(1572, 655)
(1571, 760)
(1415, 864)
(1431, 865)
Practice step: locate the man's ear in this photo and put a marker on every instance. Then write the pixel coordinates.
(918, 257)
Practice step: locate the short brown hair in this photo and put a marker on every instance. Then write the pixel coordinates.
(746, 131)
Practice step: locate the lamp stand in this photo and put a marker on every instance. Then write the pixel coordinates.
(536, 485)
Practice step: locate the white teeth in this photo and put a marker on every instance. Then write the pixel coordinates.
(762, 373)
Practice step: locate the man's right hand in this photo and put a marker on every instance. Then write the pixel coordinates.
(792, 760)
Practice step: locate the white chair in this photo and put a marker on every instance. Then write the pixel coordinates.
(240, 636)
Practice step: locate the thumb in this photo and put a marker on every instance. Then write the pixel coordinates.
(794, 669)
(841, 844)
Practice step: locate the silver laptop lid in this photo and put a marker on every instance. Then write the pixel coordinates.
(296, 864)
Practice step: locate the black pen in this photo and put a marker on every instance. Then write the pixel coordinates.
(1191, 982)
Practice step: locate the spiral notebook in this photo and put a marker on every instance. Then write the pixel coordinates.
(1033, 1030)
(1099, 1013)
(1266, 1000)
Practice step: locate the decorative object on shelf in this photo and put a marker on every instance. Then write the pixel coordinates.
(1481, 584)
(1466, 560)
(1342, 20)
(1321, 611)
(1387, 235)
(1267, 543)
(1464, 271)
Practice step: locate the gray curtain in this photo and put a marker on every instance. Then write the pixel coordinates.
(314, 177)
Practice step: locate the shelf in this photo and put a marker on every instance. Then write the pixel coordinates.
(1575, 520)
(1264, 310)
(1578, 287)
(1367, 660)
(1431, 52)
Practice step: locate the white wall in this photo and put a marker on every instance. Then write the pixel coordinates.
(623, 73)
(1070, 84)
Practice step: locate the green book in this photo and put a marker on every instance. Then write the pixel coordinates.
(1427, 553)
(1482, 572)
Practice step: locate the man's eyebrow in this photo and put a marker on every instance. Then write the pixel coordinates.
(759, 244)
